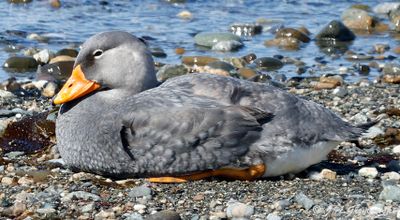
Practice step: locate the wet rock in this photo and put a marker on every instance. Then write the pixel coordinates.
(14, 154)
(329, 82)
(381, 48)
(238, 210)
(164, 215)
(80, 195)
(249, 58)
(20, 64)
(361, 6)
(369, 172)
(390, 192)
(9, 181)
(351, 56)
(19, 1)
(62, 58)
(340, 92)
(236, 61)
(335, 30)
(55, 3)
(37, 37)
(230, 45)
(185, 15)
(386, 7)
(363, 69)
(247, 73)
(268, 63)
(67, 52)
(170, 71)
(394, 16)
(292, 33)
(358, 19)
(288, 43)
(29, 134)
(209, 39)
(391, 176)
(304, 201)
(140, 191)
(391, 73)
(197, 60)
(44, 56)
(30, 51)
(49, 89)
(246, 29)
(180, 50)
(222, 66)
(158, 52)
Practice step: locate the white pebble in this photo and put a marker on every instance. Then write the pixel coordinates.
(369, 172)
(396, 149)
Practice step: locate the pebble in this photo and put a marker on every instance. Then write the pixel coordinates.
(37, 37)
(381, 48)
(67, 52)
(139, 207)
(273, 216)
(198, 60)
(287, 43)
(226, 46)
(328, 174)
(19, 1)
(49, 90)
(9, 181)
(391, 176)
(81, 195)
(340, 92)
(20, 64)
(369, 172)
(104, 215)
(185, 15)
(140, 191)
(281, 204)
(238, 210)
(376, 209)
(43, 56)
(292, 33)
(390, 192)
(133, 216)
(88, 208)
(246, 29)
(25, 181)
(396, 149)
(209, 39)
(170, 71)
(247, 73)
(47, 212)
(268, 63)
(164, 215)
(55, 3)
(304, 201)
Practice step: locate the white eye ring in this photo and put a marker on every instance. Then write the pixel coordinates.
(97, 53)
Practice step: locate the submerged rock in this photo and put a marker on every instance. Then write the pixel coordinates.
(209, 39)
(268, 63)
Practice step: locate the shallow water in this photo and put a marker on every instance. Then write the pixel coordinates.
(77, 20)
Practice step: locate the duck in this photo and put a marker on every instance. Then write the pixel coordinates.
(117, 120)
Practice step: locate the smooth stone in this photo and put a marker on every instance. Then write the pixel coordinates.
(236, 61)
(67, 52)
(55, 3)
(88, 208)
(140, 191)
(20, 64)
(361, 6)
(221, 65)
(247, 73)
(373, 132)
(46, 211)
(158, 52)
(386, 7)
(390, 192)
(249, 58)
(49, 90)
(273, 216)
(391, 176)
(335, 30)
(396, 149)
(37, 37)
(328, 174)
(198, 60)
(376, 209)
(394, 165)
(239, 210)
(185, 15)
(281, 204)
(340, 92)
(105, 215)
(293, 33)
(246, 29)
(62, 58)
(226, 46)
(164, 215)
(170, 71)
(357, 57)
(19, 1)
(304, 201)
(30, 52)
(361, 20)
(44, 56)
(381, 48)
(209, 39)
(369, 172)
(391, 69)
(9, 181)
(139, 207)
(14, 154)
(268, 63)
(287, 43)
(81, 195)
(133, 216)
(394, 17)
(6, 94)
(363, 69)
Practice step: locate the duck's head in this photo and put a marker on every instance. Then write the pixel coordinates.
(110, 60)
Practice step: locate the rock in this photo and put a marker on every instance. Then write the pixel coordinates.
(209, 39)
(281, 204)
(273, 216)
(25, 181)
(363, 69)
(292, 33)
(197, 60)
(221, 65)
(329, 82)
(386, 7)
(247, 73)
(391, 73)
(81, 195)
(164, 215)
(158, 52)
(47, 212)
(37, 37)
(396, 149)
(180, 50)
(246, 29)
(358, 19)
(226, 46)
(170, 71)
(340, 92)
(19, 1)
(20, 64)
(373, 132)
(44, 56)
(381, 48)
(88, 208)
(287, 43)
(15, 210)
(49, 90)
(249, 58)
(104, 215)
(268, 63)
(328, 174)
(139, 207)
(304, 201)
(9, 181)
(6, 94)
(132, 216)
(62, 58)
(55, 3)
(357, 56)
(185, 14)
(67, 52)
(376, 209)
(238, 210)
(391, 176)
(390, 192)
(140, 191)
(369, 172)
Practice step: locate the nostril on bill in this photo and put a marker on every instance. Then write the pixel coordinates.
(70, 85)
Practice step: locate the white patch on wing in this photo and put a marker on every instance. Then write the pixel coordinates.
(299, 158)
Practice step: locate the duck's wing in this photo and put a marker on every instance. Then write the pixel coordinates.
(180, 139)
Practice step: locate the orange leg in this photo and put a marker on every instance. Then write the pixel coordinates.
(251, 173)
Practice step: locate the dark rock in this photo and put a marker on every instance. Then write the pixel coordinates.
(67, 52)
(11, 85)
(158, 52)
(20, 64)
(293, 33)
(268, 63)
(335, 30)
(164, 215)
(249, 58)
(19, 1)
(169, 71)
(198, 60)
(221, 65)
(363, 69)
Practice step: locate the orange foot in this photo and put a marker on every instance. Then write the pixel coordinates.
(251, 173)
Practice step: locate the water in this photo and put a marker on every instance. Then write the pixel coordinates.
(75, 21)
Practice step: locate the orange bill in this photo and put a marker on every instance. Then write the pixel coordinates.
(76, 86)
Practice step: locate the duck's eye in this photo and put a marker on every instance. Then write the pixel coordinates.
(97, 53)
